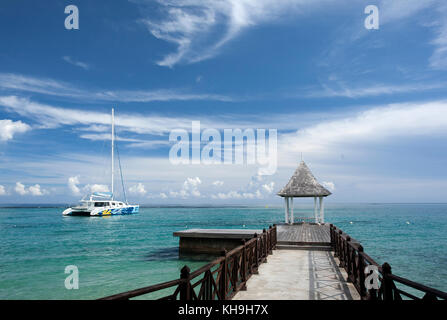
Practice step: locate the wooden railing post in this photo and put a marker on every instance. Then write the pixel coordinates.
(337, 243)
(244, 266)
(270, 240)
(387, 283)
(361, 273)
(348, 265)
(341, 249)
(265, 249)
(185, 289)
(275, 237)
(234, 270)
(223, 277)
(331, 232)
(256, 252)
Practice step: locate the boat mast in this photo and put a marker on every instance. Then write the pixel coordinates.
(113, 137)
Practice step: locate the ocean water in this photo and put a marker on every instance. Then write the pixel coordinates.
(119, 253)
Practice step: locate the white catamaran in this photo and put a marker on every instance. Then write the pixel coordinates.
(103, 203)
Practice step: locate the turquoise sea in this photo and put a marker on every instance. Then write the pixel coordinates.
(119, 253)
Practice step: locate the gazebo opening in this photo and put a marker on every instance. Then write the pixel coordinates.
(303, 184)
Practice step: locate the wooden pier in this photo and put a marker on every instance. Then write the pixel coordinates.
(304, 268)
(310, 236)
(317, 262)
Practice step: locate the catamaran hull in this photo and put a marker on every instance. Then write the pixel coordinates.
(103, 211)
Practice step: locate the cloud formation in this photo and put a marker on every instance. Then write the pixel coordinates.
(373, 125)
(51, 87)
(328, 185)
(73, 185)
(9, 128)
(200, 28)
(35, 190)
(20, 189)
(79, 64)
(218, 183)
(190, 188)
(138, 189)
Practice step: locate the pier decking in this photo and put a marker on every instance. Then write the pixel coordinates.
(304, 234)
(299, 275)
(303, 269)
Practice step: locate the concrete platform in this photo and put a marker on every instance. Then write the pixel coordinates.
(218, 233)
(212, 241)
(299, 275)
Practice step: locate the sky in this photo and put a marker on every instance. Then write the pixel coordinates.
(366, 109)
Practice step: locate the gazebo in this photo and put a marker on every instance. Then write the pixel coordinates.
(301, 185)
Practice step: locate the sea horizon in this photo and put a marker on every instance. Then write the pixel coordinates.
(296, 205)
(121, 253)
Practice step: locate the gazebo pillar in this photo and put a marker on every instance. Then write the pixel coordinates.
(291, 210)
(286, 208)
(315, 210)
(321, 210)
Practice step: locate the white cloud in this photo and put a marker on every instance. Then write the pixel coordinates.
(52, 117)
(33, 190)
(138, 189)
(92, 188)
(17, 82)
(73, 185)
(163, 195)
(218, 183)
(2, 190)
(255, 189)
(237, 195)
(328, 185)
(228, 195)
(200, 28)
(375, 124)
(191, 185)
(107, 137)
(397, 10)
(340, 89)
(80, 64)
(394, 10)
(20, 189)
(438, 60)
(189, 188)
(269, 187)
(36, 190)
(9, 128)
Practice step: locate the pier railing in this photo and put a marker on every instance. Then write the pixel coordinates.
(389, 286)
(220, 279)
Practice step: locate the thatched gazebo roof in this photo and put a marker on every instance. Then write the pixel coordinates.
(303, 184)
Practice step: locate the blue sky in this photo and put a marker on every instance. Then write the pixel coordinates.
(365, 108)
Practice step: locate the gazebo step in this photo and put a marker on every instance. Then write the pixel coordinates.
(303, 243)
(303, 247)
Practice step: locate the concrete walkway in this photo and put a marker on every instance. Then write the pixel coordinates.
(299, 275)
